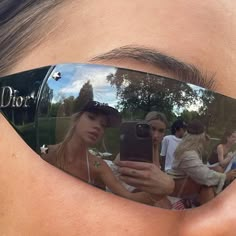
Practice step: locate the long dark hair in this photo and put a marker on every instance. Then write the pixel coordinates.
(227, 134)
(20, 27)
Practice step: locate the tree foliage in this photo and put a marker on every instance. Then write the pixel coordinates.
(69, 105)
(145, 92)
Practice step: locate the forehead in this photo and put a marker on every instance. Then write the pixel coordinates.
(157, 124)
(197, 32)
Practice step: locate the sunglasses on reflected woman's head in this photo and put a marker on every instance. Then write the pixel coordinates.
(39, 103)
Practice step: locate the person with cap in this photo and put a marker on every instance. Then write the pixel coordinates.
(192, 177)
(170, 143)
(73, 157)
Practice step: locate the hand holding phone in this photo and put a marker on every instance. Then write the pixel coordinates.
(136, 142)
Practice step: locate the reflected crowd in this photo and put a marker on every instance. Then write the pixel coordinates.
(200, 166)
(144, 137)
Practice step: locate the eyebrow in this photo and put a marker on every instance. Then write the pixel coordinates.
(183, 71)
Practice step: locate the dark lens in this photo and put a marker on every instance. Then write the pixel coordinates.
(44, 104)
(143, 130)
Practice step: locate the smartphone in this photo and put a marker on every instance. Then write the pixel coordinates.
(136, 142)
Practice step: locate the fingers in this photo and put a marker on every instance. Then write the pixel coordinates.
(144, 185)
(135, 182)
(231, 175)
(134, 173)
(134, 177)
(233, 172)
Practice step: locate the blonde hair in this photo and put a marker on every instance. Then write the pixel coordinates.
(61, 148)
(191, 142)
(155, 115)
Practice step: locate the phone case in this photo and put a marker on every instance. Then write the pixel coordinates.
(132, 146)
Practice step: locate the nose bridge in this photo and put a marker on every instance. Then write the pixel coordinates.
(155, 133)
(159, 134)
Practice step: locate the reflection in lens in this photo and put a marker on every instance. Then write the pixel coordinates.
(73, 115)
(134, 95)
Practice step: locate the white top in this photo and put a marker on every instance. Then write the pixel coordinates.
(168, 146)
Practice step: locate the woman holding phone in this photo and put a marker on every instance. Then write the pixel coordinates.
(73, 157)
(172, 38)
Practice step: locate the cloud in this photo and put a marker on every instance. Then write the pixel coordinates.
(74, 76)
(80, 74)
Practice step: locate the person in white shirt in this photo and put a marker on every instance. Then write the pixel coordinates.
(170, 143)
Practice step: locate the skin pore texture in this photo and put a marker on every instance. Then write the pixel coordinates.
(199, 33)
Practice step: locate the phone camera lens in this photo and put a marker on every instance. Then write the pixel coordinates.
(143, 130)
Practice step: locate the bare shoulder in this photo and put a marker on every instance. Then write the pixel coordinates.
(98, 164)
(220, 147)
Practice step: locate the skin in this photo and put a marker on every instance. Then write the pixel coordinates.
(202, 33)
(147, 177)
(89, 129)
(158, 131)
(191, 185)
(224, 156)
(222, 149)
(205, 32)
(180, 133)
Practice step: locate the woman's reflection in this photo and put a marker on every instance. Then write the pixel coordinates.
(72, 154)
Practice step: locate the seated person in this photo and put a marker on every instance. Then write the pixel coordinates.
(73, 157)
(221, 155)
(192, 177)
(170, 143)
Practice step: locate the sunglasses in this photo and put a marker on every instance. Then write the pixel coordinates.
(40, 103)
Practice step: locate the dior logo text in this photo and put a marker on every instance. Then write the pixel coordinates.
(9, 98)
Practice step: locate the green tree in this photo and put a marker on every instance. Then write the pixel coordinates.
(85, 95)
(142, 92)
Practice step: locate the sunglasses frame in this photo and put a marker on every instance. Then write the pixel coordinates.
(16, 96)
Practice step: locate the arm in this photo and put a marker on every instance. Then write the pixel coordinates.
(116, 187)
(37, 198)
(164, 146)
(193, 166)
(147, 177)
(222, 160)
(29, 187)
(219, 212)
